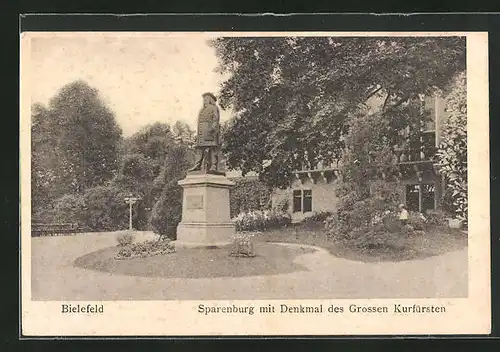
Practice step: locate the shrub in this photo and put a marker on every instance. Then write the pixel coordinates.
(279, 219)
(261, 220)
(447, 202)
(369, 190)
(355, 214)
(373, 238)
(318, 216)
(417, 221)
(167, 212)
(105, 208)
(125, 239)
(381, 230)
(242, 245)
(68, 208)
(392, 223)
(437, 218)
(145, 249)
(330, 221)
(101, 208)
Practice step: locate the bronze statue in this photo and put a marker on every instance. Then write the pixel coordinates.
(207, 137)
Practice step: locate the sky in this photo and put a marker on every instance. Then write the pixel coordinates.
(142, 79)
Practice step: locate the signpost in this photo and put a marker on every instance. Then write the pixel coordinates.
(130, 200)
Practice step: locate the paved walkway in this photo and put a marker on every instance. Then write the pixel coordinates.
(55, 278)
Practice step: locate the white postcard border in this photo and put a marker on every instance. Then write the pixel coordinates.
(470, 315)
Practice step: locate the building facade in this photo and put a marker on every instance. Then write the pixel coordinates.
(423, 186)
(314, 189)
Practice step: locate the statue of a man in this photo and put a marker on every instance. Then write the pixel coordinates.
(207, 137)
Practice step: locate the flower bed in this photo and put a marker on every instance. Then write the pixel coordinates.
(261, 220)
(243, 245)
(145, 249)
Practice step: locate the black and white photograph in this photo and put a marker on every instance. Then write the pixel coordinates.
(322, 174)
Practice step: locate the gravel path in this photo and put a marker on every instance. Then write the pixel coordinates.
(55, 278)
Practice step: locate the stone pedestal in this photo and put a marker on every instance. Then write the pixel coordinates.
(206, 219)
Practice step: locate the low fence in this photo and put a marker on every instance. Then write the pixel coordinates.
(55, 229)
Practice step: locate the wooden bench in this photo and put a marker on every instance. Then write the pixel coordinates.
(53, 229)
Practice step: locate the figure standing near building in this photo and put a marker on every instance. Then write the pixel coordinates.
(207, 137)
(403, 214)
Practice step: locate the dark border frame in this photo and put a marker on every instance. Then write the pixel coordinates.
(307, 22)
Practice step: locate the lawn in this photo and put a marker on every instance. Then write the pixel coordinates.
(271, 259)
(417, 247)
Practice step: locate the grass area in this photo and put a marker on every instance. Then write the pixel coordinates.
(198, 262)
(416, 247)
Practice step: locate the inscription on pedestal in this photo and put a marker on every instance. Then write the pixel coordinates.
(194, 202)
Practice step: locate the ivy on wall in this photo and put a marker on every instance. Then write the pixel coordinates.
(247, 195)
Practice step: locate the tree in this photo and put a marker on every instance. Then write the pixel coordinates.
(293, 96)
(136, 176)
(143, 166)
(87, 133)
(75, 143)
(148, 150)
(183, 133)
(452, 152)
(152, 141)
(43, 161)
(368, 186)
(167, 211)
(67, 209)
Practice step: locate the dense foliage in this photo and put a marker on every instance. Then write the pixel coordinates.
(154, 158)
(300, 101)
(247, 195)
(452, 153)
(82, 169)
(100, 208)
(167, 211)
(369, 190)
(293, 95)
(75, 144)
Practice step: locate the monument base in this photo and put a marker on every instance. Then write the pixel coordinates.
(204, 234)
(205, 211)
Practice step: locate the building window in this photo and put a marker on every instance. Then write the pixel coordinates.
(420, 197)
(428, 145)
(302, 201)
(412, 197)
(307, 200)
(428, 197)
(297, 201)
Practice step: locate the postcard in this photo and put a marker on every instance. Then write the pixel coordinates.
(254, 183)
